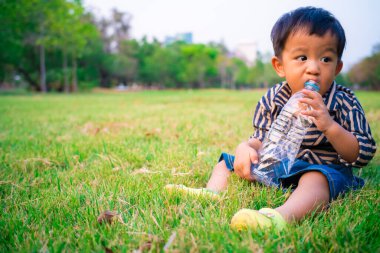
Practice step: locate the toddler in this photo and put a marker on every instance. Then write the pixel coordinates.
(308, 45)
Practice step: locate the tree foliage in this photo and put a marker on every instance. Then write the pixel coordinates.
(367, 72)
(35, 32)
(58, 45)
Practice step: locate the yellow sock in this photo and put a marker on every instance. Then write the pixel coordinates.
(171, 188)
(263, 219)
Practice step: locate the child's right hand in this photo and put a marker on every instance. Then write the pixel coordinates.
(245, 156)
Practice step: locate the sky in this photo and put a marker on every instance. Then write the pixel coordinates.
(234, 22)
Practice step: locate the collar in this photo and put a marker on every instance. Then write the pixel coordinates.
(284, 92)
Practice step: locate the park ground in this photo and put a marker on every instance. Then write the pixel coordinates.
(65, 159)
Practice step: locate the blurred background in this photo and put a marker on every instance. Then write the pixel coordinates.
(74, 45)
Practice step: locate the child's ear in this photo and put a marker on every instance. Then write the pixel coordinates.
(338, 68)
(278, 67)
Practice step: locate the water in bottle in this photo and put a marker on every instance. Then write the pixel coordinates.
(282, 143)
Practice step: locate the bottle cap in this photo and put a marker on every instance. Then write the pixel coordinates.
(313, 85)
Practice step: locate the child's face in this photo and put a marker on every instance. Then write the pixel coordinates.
(308, 57)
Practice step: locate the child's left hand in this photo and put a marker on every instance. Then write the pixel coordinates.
(320, 114)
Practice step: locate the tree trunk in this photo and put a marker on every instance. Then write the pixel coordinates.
(201, 81)
(75, 79)
(13, 80)
(29, 79)
(104, 78)
(223, 75)
(42, 69)
(66, 86)
(233, 81)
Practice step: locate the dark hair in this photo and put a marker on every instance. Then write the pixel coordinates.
(310, 19)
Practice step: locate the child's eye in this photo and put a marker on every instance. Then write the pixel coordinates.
(326, 59)
(301, 58)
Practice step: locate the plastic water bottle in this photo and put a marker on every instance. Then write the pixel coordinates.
(282, 143)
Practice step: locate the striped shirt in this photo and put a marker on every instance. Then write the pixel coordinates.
(343, 107)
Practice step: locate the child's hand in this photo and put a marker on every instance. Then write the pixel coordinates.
(320, 114)
(244, 157)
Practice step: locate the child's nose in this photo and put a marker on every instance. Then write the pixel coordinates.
(313, 67)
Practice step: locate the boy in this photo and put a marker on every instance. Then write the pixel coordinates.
(308, 44)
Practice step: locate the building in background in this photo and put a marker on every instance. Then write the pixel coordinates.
(247, 52)
(185, 37)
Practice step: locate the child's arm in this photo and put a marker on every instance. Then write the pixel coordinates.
(246, 154)
(343, 141)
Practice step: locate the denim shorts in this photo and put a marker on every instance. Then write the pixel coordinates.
(340, 178)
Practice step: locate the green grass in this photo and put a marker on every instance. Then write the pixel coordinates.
(65, 159)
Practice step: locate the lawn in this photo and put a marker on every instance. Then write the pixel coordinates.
(64, 159)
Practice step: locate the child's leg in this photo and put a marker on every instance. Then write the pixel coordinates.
(216, 183)
(312, 194)
(219, 176)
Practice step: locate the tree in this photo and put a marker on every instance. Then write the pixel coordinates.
(262, 73)
(201, 64)
(240, 72)
(147, 67)
(70, 31)
(23, 28)
(117, 61)
(224, 64)
(42, 26)
(123, 64)
(367, 72)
